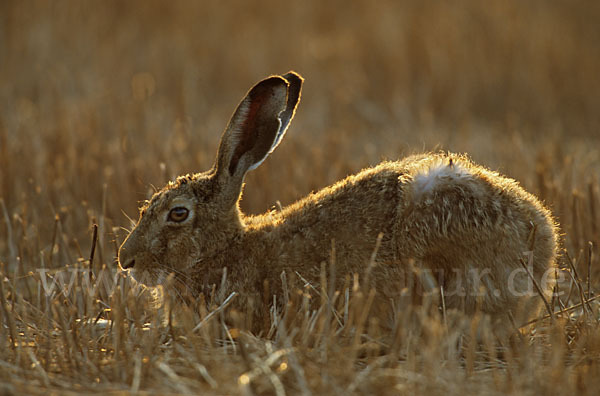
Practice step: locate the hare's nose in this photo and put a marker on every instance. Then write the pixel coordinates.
(128, 264)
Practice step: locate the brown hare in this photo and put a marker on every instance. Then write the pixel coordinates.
(470, 227)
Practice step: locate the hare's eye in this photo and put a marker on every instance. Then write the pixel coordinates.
(178, 214)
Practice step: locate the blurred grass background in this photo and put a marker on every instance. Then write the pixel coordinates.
(101, 100)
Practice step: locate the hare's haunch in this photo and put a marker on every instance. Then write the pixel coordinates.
(470, 227)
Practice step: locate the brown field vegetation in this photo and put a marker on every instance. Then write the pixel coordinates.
(102, 100)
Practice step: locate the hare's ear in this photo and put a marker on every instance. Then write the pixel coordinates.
(257, 127)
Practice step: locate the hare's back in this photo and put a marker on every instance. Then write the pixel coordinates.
(450, 203)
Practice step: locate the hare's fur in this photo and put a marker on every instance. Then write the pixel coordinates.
(469, 226)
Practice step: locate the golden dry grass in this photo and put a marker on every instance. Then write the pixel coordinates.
(102, 100)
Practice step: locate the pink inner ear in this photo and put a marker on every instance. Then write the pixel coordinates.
(247, 139)
(258, 128)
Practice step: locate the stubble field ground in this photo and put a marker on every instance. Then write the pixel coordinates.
(101, 101)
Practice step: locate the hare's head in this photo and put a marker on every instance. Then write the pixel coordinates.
(196, 217)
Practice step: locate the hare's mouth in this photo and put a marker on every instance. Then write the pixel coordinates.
(145, 277)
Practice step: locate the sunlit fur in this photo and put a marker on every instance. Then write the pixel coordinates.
(469, 226)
